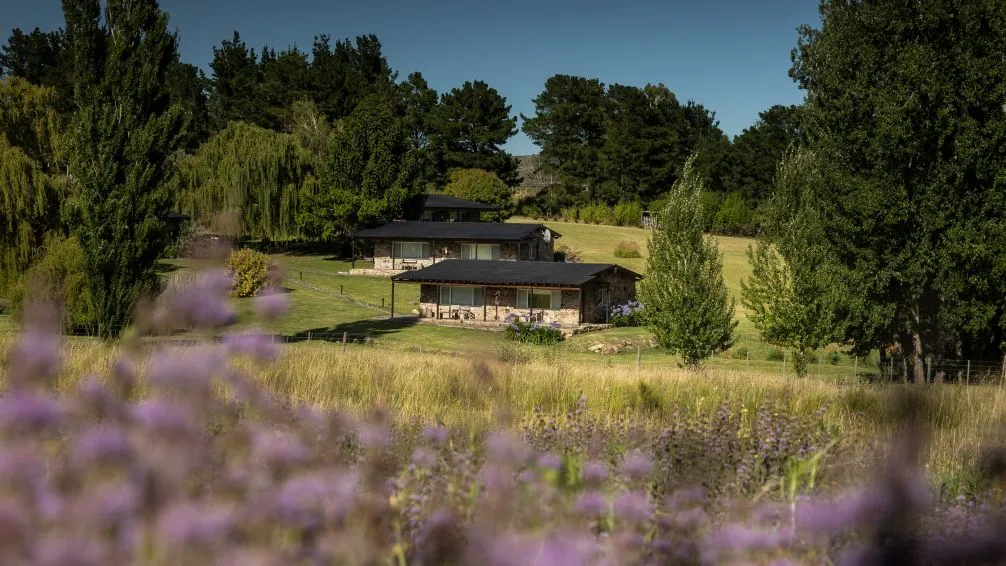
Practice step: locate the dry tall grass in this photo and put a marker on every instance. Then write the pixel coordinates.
(475, 390)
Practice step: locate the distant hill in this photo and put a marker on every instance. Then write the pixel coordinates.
(534, 180)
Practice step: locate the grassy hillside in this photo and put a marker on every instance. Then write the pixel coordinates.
(597, 244)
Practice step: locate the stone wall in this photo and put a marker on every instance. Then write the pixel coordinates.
(621, 287)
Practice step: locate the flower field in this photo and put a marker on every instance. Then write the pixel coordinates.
(236, 450)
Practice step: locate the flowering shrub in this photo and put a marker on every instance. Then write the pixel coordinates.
(629, 314)
(522, 330)
(250, 269)
(183, 459)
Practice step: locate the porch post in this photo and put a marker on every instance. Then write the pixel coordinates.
(580, 317)
(484, 304)
(530, 303)
(392, 299)
(353, 263)
(438, 302)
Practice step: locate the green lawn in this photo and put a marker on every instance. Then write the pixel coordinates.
(325, 303)
(597, 244)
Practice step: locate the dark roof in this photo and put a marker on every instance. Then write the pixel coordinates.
(501, 272)
(473, 231)
(177, 216)
(447, 201)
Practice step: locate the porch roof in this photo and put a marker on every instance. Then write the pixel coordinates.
(469, 231)
(448, 202)
(511, 273)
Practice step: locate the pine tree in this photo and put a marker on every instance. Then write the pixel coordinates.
(687, 305)
(120, 147)
(795, 291)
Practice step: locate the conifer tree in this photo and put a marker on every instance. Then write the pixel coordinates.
(120, 147)
(687, 305)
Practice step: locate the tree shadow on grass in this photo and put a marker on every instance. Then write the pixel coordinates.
(357, 331)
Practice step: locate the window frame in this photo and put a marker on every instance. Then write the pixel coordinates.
(525, 299)
(478, 295)
(495, 250)
(398, 250)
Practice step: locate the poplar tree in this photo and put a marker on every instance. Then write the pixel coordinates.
(120, 146)
(686, 302)
(795, 292)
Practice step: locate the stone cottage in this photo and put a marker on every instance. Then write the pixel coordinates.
(570, 294)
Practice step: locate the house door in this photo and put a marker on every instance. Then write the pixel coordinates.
(603, 305)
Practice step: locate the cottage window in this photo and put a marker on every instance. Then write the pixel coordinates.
(480, 251)
(539, 299)
(462, 296)
(412, 250)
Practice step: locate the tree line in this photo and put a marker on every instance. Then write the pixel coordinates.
(886, 228)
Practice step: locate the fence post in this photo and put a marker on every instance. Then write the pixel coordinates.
(968, 378)
(308, 336)
(782, 371)
(382, 302)
(855, 367)
(637, 357)
(747, 358)
(344, 342)
(340, 290)
(301, 275)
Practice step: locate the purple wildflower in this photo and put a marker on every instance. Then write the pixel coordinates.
(316, 496)
(111, 504)
(560, 551)
(36, 355)
(632, 506)
(505, 447)
(436, 434)
(66, 551)
(424, 458)
(101, 445)
(278, 449)
(549, 461)
(187, 523)
(496, 478)
(594, 473)
(165, 417)
(251, 343)
(738, 538)
(591, 503)
(29, 411)
(527, 476)
(636, 465)
(272, 303)
(189, 371)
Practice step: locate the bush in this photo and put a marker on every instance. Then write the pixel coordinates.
(628, 214)
(567, 254)
(739, 353)
(627, 249)
(629, 314)
(59, 276)
(775, 355)
(832, 358)
(251, 271)
(521, 330)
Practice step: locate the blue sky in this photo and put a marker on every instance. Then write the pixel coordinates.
(730, 55)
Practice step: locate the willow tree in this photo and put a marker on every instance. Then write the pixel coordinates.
(251, 173)
(120, 146)
(31, 184)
